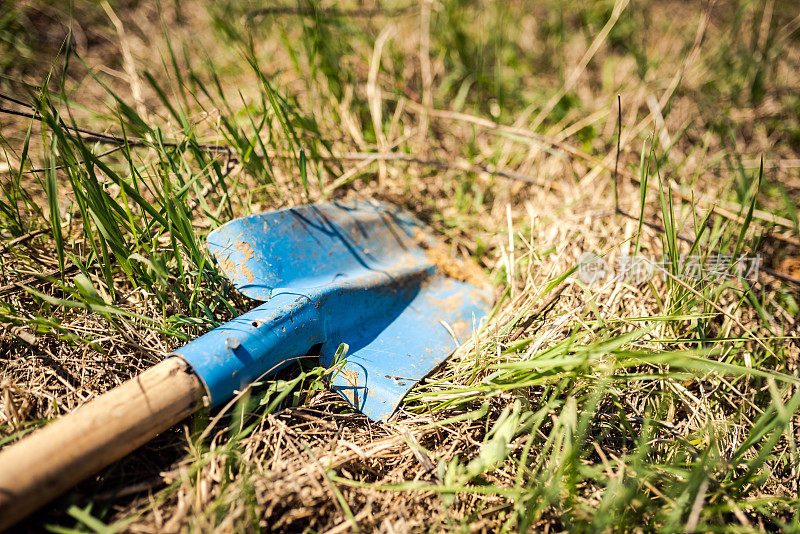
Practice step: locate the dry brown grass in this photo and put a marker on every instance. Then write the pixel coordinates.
(524, 191)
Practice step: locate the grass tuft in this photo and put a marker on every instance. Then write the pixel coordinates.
(664, 398)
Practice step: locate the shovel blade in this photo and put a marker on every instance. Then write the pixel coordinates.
(382, 366)
(360, 273)
(314, 246)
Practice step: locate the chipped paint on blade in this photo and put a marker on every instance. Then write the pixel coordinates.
(346, 272)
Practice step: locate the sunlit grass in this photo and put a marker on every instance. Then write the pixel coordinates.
(667, 403)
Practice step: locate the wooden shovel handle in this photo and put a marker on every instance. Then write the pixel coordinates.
(55, 458)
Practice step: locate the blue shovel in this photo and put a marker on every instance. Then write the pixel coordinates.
(360, 275)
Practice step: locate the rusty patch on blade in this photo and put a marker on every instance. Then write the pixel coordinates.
(245, 249)
(462, 270)
(247, 252)
(228, 266)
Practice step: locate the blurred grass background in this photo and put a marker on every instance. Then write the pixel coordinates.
(527, 134)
